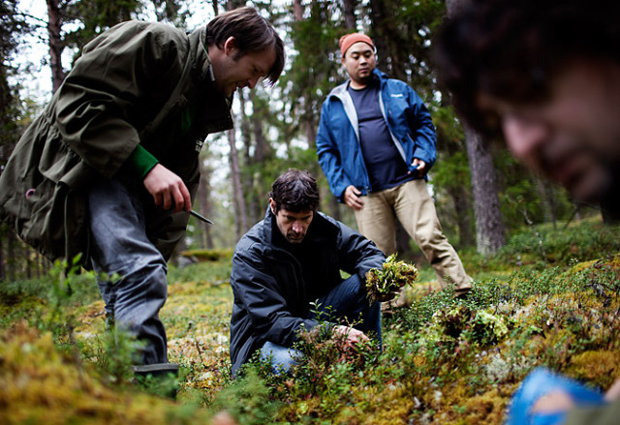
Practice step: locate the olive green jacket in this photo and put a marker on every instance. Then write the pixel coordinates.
(138, 83)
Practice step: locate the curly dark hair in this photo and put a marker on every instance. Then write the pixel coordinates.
(295, 191)
(512, 49)
(252, 32)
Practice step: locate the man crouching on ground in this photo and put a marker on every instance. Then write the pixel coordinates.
(287, 261)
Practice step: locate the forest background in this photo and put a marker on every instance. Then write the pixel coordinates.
(546, 285)
(481, 193)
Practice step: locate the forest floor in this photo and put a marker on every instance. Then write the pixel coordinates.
(550, 298)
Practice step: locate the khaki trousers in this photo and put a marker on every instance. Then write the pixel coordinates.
(412, 205)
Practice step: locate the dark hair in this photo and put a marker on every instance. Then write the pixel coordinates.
(295, 191)
(512, 50)
(252, 32)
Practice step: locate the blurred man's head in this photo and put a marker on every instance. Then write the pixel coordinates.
(294, 199)
(546, 76)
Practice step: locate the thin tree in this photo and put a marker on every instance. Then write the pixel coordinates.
(55, 43)
(348, 9)
(241, 220)
(13, 26)
(315, 30)
(248, 174)
(204, 203)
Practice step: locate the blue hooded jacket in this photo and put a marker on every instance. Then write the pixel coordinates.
(338, 142)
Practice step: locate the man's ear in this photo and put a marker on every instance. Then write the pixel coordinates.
(230, 46)
(272, 205)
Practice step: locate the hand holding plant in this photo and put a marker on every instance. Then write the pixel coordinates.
(385, 284)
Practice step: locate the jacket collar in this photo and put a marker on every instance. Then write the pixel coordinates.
(203, 64)
(218, 114)
(341, 89)
(202, 61)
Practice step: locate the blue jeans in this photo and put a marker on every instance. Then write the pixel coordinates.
(348, 299)
(120, 246)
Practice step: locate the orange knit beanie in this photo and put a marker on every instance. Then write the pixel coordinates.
(348, 40)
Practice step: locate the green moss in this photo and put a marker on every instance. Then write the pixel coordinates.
(598, 367)
(444, 360)
(385, 284)
(41, 384)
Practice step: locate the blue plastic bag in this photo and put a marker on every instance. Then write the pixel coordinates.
(541, 382)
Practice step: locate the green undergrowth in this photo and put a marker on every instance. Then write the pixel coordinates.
(550, 298)
(204, 255)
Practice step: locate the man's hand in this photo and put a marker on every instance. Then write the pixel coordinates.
(167, 189)
(351, 335)
(556, 401)
(420, 167)
(352, 198)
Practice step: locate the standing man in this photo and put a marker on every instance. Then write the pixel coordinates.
(110, 168)
(376, 144)
(291, 259)
(545, 77)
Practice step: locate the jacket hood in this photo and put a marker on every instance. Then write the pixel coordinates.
(202, 62)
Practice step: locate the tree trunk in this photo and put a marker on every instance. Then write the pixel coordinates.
(334, 207)
(241, 221)
(389, 51)
(234, 4)
(204, 202)
(262, 151)
(311, 127)
(298, 10)
(489, 224)
(247, 175)
(55, 43)
(309, 116)
(547, 200)
(348, 7)
(462, 208)
(387, 39)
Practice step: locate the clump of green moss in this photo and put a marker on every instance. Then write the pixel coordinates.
(44, 384)
(385, 284)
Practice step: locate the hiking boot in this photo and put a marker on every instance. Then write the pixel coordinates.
(158, 379)
(463, 294)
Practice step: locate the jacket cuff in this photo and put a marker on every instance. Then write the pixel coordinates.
(142, 161)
